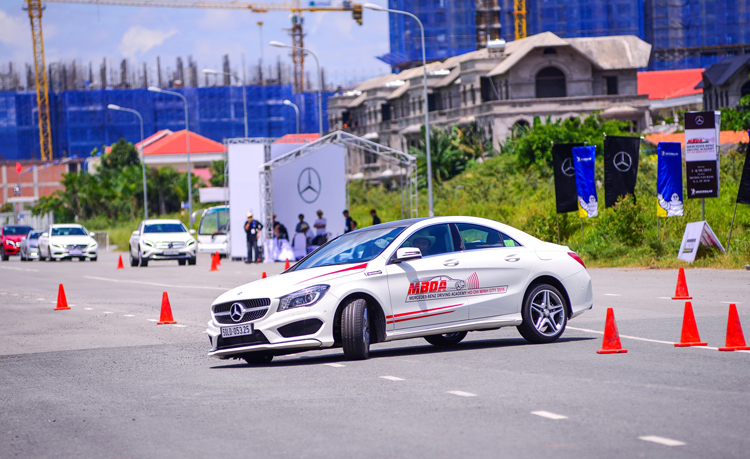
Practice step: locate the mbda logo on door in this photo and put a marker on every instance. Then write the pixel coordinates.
(440, 287)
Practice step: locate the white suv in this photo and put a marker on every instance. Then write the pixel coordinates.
(162, 240)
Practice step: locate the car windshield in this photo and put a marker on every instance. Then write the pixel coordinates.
(164, 228)
(68, 231)
(215, 221)
(356, 247)
(35, 234)
(16, 230)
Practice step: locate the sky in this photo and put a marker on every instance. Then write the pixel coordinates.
(87, 33)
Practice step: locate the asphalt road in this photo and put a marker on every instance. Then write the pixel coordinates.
(103, 380)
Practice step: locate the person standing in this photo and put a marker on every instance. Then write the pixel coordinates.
(349, 224)
(302, 221)
(375, 218)
(320, 224)
(252, 230)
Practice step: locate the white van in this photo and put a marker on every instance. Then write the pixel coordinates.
(213, 231)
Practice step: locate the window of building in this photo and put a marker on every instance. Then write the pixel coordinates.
(550, 51)
(611, 82)
(473, 96)
(487, 90)
(550, 82)
(745, 90)
(385, 112)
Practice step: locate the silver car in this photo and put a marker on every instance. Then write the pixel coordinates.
(30, 246)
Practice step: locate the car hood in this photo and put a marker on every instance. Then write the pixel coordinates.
(285, 283)
(65, 240)
(159, 237)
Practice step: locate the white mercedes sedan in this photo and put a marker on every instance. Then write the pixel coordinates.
(162, 239)
(436, 278)
(66, 241)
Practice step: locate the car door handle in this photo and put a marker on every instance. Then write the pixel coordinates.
(450, 263)
(512, 258)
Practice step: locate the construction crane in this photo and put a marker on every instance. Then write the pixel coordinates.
(519, 16)
(35, 8)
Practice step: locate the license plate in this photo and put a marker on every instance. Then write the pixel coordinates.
(76, 252)
(237, 330)
(171, 252)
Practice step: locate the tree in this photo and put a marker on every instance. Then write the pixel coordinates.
(447, 160)
(123, 154)
(217, 173)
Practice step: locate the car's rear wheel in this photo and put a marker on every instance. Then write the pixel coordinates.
(355, 330)
(49, 255)
(257, 358)
(446, 339)
(191, 261)
(4, 256)
(544, 314)
(181, 262)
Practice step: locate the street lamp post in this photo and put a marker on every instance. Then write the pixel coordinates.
(278, 44)
(143, 157)
(187, 142)
(296, 111)
(244, 94)
(374, 7)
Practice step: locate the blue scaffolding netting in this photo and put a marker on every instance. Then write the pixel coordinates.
(81, 122)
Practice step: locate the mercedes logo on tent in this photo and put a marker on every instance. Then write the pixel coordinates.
(308, 185)
(698, 120)
(622, 161)
(567, 167)
(236, 312)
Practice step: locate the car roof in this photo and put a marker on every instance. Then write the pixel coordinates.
(66, 225)
(161, 220)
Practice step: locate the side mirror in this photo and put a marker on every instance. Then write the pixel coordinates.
(408, 253)
(44, 235)
(192, 231)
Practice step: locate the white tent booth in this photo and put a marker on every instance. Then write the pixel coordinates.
(267, 178)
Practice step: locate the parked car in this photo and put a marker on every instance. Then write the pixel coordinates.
(157, 239)
(10, 239)
(30, 246)
(436, 278)
(67, 241)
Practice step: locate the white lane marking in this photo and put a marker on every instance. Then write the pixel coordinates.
(663, 297)
(89, 309)
(662, 440)
(129, 315)
(461, 393)
(152, 320)
(392, 378)
(107, 312)
(16, 294)
(651, 340)
(612, 294)
(335, 365)
(42, 299)
(28, 270)
(180, 326)
(156, 284)
(548, 415)
(730, 302)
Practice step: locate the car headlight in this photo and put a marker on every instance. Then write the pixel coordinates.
(92, 245)
(148, 243)
(190, 242)
(303, 298)
(57, 245)
(11, 243)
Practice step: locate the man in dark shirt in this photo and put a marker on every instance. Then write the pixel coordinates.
(349, 222)
(252, 231)
(375, 218)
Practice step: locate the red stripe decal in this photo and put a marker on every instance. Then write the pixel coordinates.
(422, 312)
(362, 266)
(420, 317)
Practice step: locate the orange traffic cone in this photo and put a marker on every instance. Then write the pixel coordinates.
(119, 263)
(213, 264)
(166, 311)
(264, 275)
(681, 292)
(690, 335)
(218, 258)
(611, 343)
(286, 265)
(735, 338)
(62, 302)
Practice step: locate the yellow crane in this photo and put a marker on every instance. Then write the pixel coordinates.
(35, 9)
(519, 16)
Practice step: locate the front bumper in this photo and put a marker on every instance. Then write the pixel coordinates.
(184, 253)
(32, 253)
(11, 249)
(60, 254)
(221, 247)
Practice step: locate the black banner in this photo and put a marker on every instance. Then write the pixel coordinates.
(702, 179)
(620, 167)
(700, 120)
(565, 177)
(743, 194)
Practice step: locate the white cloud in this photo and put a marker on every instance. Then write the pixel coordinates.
(140, 40)
(13, 30)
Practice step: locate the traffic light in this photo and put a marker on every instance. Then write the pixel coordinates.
(357, 14)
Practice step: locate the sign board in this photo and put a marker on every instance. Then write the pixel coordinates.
(244, 192)
(214, 194)
(697, 233)
(702, 154)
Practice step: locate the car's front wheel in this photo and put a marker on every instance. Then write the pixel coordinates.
(4, 256)
(133, 260)
(355, 330)
(142, 262)
(446, 339)
(49, 255)
(544, 314)
(191, 261)
(181, 262)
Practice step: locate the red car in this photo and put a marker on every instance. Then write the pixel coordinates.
(10, 239)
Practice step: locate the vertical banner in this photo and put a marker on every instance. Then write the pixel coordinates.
(669, 180)
(583, 159)
(702, 154)
(565, 177)
(743, 194)
(620, 167)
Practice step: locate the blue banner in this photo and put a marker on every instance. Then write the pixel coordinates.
(584, 158)
(669, 180)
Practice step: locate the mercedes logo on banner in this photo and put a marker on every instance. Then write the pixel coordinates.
(308, 185)
(567, 167)
(622, 161)
(698, 120)
(236, 312)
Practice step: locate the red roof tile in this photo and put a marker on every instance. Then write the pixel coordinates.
(669, 84)
(298, 138)
(175, 144)
(727, 137)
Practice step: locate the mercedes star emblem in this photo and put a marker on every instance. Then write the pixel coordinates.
(567, 167)
(622, 161)
(308, 185)
(698, 120)
(236, 312)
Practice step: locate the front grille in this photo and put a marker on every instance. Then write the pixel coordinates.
(256, 338)
(254, 309)
(76, 246)
(169, 245)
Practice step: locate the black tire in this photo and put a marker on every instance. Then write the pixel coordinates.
(182, 262)
(41, 257)
(257, 358)
(544, 317)
(3, 255)
(141, 261)
(133, 260)
(81, 258)
(446, 339)
(49, 255)
(20, 253)
(94, 258)
(192, 260)
(355, 330)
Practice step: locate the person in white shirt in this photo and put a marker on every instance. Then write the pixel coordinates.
(320, 224)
